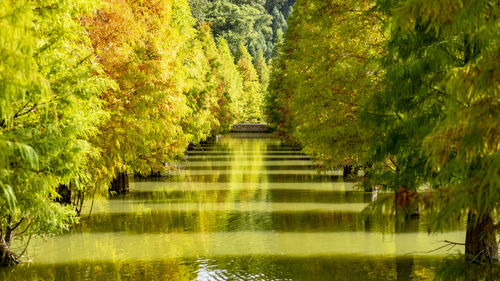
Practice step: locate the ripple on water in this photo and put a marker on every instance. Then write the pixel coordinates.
(246, 207)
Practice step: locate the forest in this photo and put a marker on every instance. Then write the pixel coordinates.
(402, 96)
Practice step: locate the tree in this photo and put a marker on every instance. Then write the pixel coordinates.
(213, 97)
(464, 146)
(262, 71)
(253, 98)
(232, 80)
(239, 21)
(327, 67)
(49, 108)
(406, 110)
(137, 43)
(437, 113)
(277, 107)
(430, 122)
(200, 85)
(278, 24)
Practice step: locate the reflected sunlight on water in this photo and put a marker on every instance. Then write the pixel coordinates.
(238, 209)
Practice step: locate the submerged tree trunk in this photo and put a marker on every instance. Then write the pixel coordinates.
(151, 174)
(405, 264)
(7, 257)
(406, 205)
(65, 192)
(480, 240)
(348, 171)
(120, 184)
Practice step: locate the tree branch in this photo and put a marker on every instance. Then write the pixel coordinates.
(19, 113)
(17, 224)
(448, 244)
(26, 229)
(26, 247)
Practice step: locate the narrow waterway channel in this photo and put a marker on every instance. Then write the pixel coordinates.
(246, 207)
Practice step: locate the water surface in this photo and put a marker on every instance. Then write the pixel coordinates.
(241, 208)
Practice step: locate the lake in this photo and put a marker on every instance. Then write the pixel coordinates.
(243, 207)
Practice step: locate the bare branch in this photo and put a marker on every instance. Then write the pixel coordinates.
(26, 247)
(17, 224)
(448, 244)
(26, 229)
(454, 243)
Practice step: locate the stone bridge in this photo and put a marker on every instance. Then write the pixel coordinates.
(250, 127)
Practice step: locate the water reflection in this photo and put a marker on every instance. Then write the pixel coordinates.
(234, 268)
(243, 208)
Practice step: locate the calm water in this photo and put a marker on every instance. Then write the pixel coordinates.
(242, 208)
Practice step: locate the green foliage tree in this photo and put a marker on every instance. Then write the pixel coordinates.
(200, 83)
(278, 23)
(49, 108)
(463, 148)
(255, 23)
(431, 121)
(232, 81)
(327, 67)
(262, 71)
(436, 115)
(217, 86)
(403, 113)
(284, 7)
(241, 21)
(253, 98)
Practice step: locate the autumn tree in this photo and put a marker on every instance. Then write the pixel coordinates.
(137, 44)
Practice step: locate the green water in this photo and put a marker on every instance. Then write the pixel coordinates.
(242, 208)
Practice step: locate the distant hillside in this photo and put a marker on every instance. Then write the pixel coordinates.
(258, 24)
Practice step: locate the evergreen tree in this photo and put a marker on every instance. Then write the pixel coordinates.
(278, 23)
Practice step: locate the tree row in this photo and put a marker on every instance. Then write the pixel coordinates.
(90, 91)
(405, 96)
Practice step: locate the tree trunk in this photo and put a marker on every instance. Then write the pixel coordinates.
(348, 171)
(120, 184)
(405, 203)
(151, 174)
(405, 264)
(65, 192)
(480, 239)
(156, 174)
(7, 257)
